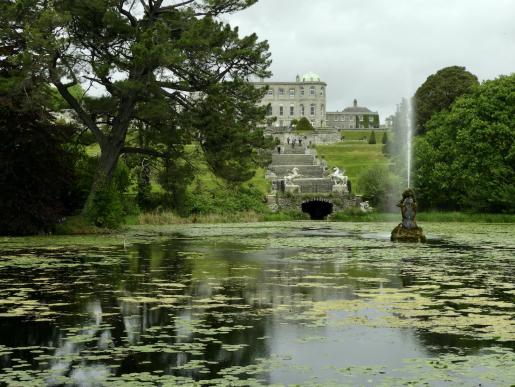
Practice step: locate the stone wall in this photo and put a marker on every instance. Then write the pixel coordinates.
(329, 136)
(286, 202)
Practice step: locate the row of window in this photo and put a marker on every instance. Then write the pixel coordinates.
(287, 124)
(349, 118)
(312, 110)
(292, 91)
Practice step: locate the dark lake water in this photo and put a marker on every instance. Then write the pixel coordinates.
(301, 303)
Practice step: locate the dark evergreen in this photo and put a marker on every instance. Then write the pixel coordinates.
(179, 62)
(439, 91)
(372, 138)
(37, 179)
(384, 140)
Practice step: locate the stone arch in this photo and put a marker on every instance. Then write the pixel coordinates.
(318, 209)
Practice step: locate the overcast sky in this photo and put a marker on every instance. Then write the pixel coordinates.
(381, 50)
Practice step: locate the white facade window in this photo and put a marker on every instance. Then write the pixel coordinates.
(281, 91)
(302, 90)
(313, 109)
(292, 110)
(312, 90)
(292, 93)
(270, 92)
(322, 91)
(322, 109)
(281, 110)
(302, 112)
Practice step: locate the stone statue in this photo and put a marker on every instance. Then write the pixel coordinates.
(288, 181)
(339, 180)
(408, 230)
(338, 176)
(408, 206)
(292, 175)
(365, 206)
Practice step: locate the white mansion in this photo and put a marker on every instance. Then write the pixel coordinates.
(293, 100)
(306, 97)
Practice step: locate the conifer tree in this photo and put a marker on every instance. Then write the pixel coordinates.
(173, 70)
(372, 138)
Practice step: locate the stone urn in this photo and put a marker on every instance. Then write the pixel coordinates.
(408, 230)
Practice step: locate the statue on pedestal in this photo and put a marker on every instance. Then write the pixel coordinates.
(408, 230)
(289, 186)
(339, 181)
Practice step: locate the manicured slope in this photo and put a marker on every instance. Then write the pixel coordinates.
(354, 157)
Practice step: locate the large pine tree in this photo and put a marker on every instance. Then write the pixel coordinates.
(170, 69)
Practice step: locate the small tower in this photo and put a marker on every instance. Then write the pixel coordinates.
(297, 78)
(355, 102)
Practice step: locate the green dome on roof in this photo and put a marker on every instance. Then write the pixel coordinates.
(311, 77)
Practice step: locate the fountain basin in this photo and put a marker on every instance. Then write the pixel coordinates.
(403, 234)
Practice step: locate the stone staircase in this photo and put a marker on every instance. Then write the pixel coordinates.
(313, 179)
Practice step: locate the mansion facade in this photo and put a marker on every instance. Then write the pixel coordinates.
(288, 101)
(306, 97)
(353, 117)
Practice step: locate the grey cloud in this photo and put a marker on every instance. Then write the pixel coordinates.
(381, 50)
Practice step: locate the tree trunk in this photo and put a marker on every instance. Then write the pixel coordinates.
(109, 155)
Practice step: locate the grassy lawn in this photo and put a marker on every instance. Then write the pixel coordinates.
(354, 157)
(356, 135)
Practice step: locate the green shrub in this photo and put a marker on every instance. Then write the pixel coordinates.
(384, 140)
(223, 200)
(106, 209)
(372, 138)
(302, 125)
(110, 205)
(380, 187)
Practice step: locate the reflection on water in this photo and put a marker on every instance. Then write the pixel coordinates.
(305, 303)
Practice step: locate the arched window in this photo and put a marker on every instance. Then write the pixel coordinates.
(322, 109)
(322, 91)
(313, 109)
(269, 110)
(302, 90)
(312, 90)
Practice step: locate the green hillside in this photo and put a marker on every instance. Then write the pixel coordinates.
(354, 157)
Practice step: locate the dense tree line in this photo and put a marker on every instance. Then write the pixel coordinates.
(466, 160)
